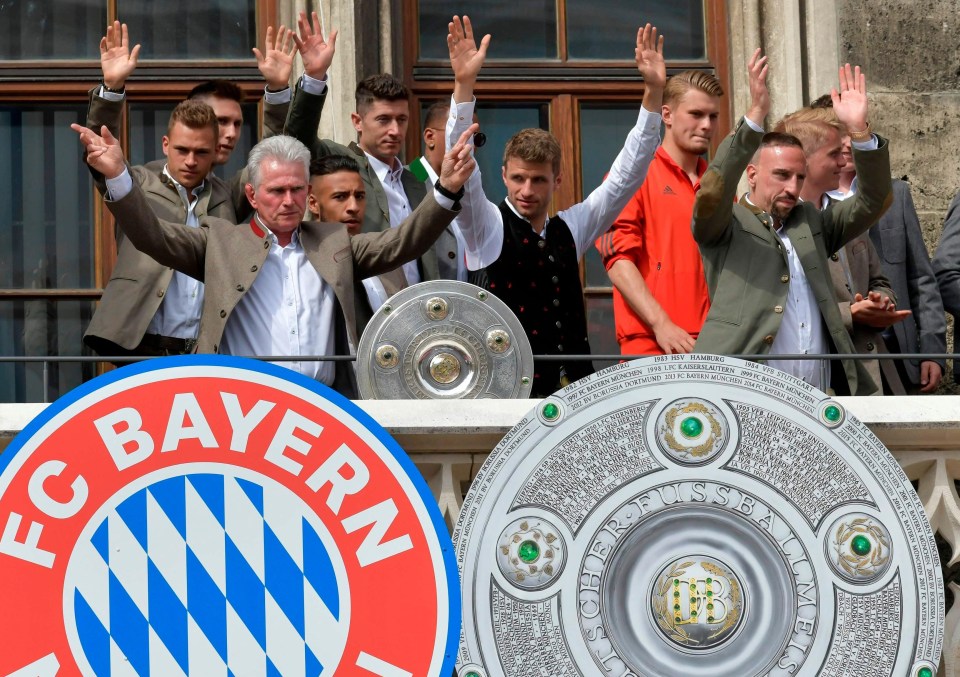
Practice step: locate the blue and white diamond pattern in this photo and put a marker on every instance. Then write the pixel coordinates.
(208, 574)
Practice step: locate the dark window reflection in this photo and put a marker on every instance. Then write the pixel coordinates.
(520, 30)
(51, 29)
(608, 30)
(42, 327)
(603, 130)
(46, 199)
(179, 29)
(601, 330)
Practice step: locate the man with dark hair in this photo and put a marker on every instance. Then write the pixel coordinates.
(146, 308)
(865, 296)
(660, 297)
(434, 126)
(381, 119)
(337, 195)
(531, 259)
(765, 258)
(946, 265)
(278, 285)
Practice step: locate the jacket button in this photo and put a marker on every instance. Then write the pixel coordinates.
(266, 244)
(560, 346)
(253, 269)
(223, 313)
(559, 324)
(555, 279)
(239, 287)
(768, 339)
(541, 243)
(835, 257)
(451, 255)
(870, 346)
(550, 258)
(778, 309)
(556, 303)
(784, 278)
(160, 293)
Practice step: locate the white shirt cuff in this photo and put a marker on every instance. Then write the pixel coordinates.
(280, 97)
(110, 96)
(119, 186)
(870, 144)
(443, 200)
(752, 125)
(312, 85)
(462, 111)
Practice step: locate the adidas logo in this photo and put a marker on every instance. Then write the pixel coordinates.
(668, 191)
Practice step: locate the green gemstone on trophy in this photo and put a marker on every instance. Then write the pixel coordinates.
(709, 593)
(676, 593)
(924, 672)
(550, 411)
(709, 581)
(691, 427)
(676, 607)
(676, 582)
(529, 551)
(860, 545)
(471, 674)
(832, 413)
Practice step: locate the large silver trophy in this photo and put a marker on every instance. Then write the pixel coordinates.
(695, 515)
(444, 340)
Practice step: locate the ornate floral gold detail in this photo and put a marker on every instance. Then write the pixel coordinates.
(867, 565)
(691, 408)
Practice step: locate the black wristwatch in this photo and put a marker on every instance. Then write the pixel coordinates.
(112, 90)
(450, 195)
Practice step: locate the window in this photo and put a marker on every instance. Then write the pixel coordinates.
(57, 238)
(566, 66)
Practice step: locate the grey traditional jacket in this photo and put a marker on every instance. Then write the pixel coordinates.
(437, 263)
(745, 262)
(227, 258)
(946, 266)
(866, 275)
(137, 284)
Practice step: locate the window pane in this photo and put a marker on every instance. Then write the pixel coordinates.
(521, 30)
(598, 30)
(180, 29)
(499, 121)
(603, 129)
(42, 328)
(600, 329)
(46, 199)
(48, 29)
(148, 124)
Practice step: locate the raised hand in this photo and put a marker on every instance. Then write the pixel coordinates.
(277, 63)
(117, 60)
(649, 57)
(759, 94)
(850, 103)
(103, 152)
(466, 58)
(315, 52)
(458, 162)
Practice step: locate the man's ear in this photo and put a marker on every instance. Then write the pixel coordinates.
(666, 114)
(166, 145)
(429, 137)
(752, 175)
(313, 206)
(248, 190)
(355, 119)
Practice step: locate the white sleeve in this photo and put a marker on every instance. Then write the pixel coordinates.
(119, 186)
(479, 220)
(591, 218)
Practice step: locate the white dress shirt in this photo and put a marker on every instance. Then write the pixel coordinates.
(397, 201)
(289, 310)
(461, 245)
(481, 223)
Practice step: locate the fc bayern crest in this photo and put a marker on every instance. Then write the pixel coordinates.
(218, 516)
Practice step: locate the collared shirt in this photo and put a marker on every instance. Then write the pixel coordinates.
(398, 202)
(288, 310)
(461, 245)
(481, 223)
(179, 312)
(801, 327)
